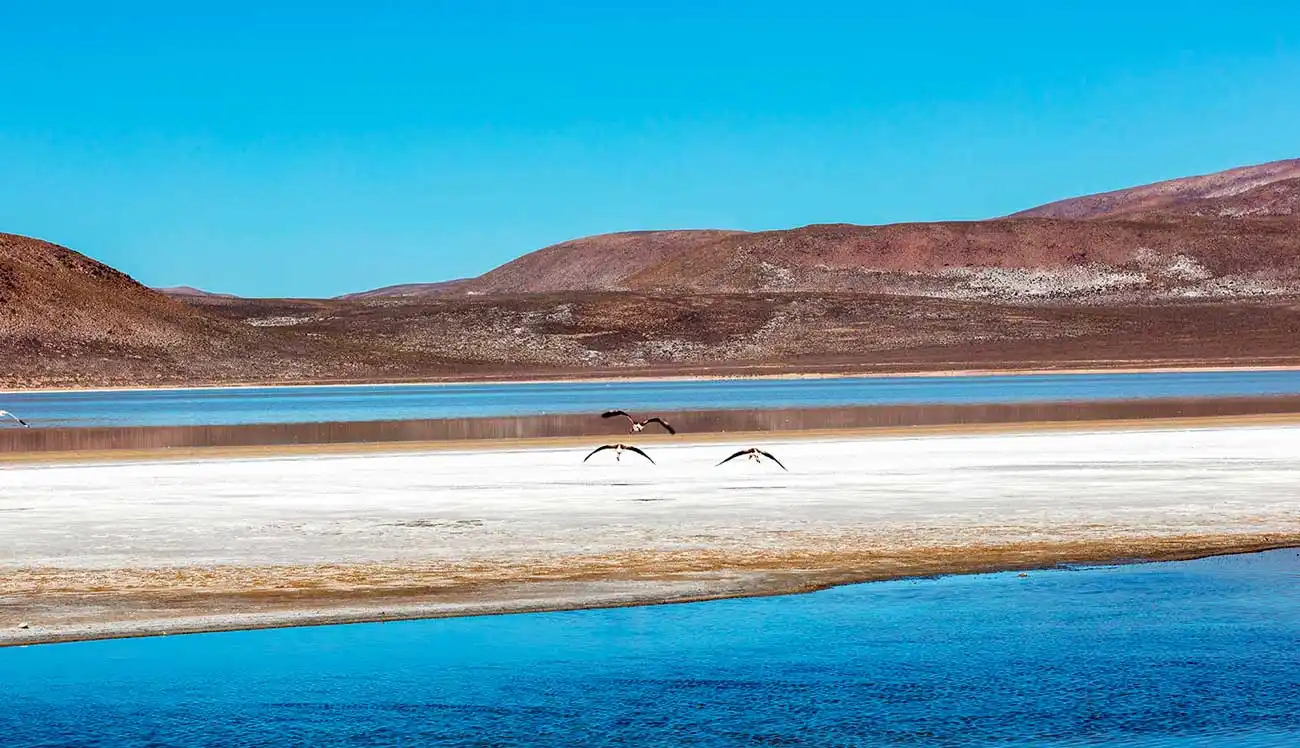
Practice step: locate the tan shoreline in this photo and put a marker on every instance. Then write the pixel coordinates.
(564, 442)
(1123, 367)
(575, 584)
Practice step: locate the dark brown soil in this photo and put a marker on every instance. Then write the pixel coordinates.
(575, 335)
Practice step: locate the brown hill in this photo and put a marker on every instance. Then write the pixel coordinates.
(1002, 259)
(85, 324)
(408, 290)
(1206, 270)
(186, 292)
(618, 333)
(1010, 259)
(1225, 234)
(1276, 199)
(52, 297)
(592, 263)
(1243, 191)
(68, 320)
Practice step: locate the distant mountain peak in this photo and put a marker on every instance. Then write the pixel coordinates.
(408, 290)
(189, 291)
(1240, 192)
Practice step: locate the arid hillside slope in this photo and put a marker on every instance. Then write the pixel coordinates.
(1228, 235)
(1232, 193)
(1173, 283)
(1004, 260)
(409, 290)
(610, 332)
(594, 263)
(54, 299)
(1008, 259)
(186, 292)
(66, 319)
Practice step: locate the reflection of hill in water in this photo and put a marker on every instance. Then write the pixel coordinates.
(579, 425)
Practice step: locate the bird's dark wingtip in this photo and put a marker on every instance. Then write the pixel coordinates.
(769, 456)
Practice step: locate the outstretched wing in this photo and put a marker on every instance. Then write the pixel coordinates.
(7, 414)
(643, 454)
(738, 454)
(769, 456)
(597, 449)
(663, 423)
(613, 413)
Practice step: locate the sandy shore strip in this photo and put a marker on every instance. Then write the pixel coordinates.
(138, 548)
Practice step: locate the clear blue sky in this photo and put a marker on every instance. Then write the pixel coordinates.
(310, 149)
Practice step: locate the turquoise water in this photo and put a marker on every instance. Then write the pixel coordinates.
(400, 402)
(1202, 653)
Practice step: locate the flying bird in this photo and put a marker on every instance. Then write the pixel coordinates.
(618, 451)
(755, 454)
(637, 426)
(21, 422)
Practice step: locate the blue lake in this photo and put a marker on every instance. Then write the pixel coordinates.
(1200, 653)
(384, 402)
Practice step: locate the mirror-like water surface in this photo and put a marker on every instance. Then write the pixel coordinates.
(399, 402)
(1201, 653)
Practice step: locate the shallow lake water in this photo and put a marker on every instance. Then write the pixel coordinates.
(239, 405)
(1198, 653)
